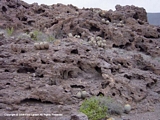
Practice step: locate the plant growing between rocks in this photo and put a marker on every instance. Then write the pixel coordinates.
(50, 38)
(34, 34)
(99, 107)
(23, 36)
(40, 36)
(93, 109)
(10, 31)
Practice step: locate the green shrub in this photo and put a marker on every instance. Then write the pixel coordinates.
(10, 31)
(50, 38)
(93, 109)
(99, 107)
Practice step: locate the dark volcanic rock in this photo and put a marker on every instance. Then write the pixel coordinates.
(134, 12)
(110, 53)
(79, 116)
(60, 20)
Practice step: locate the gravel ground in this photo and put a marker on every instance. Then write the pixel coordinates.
(155, 115)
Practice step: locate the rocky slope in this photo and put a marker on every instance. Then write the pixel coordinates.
(110, 53)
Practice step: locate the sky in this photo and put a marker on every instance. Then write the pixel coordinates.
(151, 6)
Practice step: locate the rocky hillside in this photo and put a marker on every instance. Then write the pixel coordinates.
(110, 53)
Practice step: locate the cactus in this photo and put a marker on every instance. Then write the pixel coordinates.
(84, 94)
(79, 95)
(101, 107)
(41, 45)
(127, 108)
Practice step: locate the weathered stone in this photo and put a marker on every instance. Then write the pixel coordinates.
(79, 116)
(135, 12)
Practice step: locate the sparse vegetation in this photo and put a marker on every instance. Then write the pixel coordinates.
(34, 35)
(99, 107)
(23, 36)
(40, 36)
(50, 38)
(113, 106)
(10, 31)
(93, 109)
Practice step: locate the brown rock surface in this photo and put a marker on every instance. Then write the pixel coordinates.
(47, 80)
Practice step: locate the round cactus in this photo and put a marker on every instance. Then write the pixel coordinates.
(79, 95)
(103, 20)
(111, 118)
(46, 45)
(84, 94)
(70, 35)
(127, 108)
(41, 45)
(107, 22)
(37, 46)
(92, 38)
